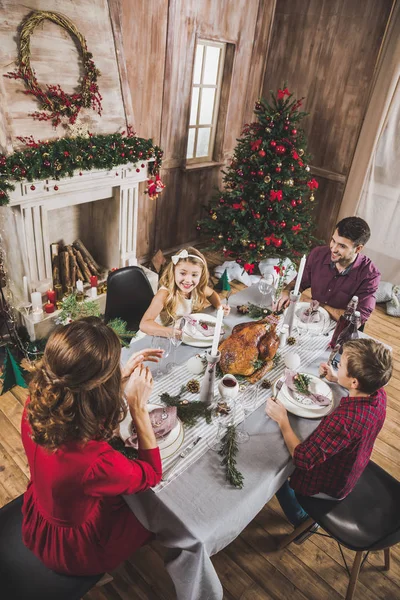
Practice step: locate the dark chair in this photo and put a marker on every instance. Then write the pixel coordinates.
(129, 295)
(368, 519)
(22, 575)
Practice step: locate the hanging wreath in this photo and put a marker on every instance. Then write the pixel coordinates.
(54, 102)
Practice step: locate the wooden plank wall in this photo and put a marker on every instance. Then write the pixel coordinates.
(327, 51)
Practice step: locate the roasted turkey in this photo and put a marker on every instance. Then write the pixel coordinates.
(249, 349)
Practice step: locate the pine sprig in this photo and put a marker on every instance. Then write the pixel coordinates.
(119, 446)
(302, 383)
(120, 328)
(188, 412)
(228, 451)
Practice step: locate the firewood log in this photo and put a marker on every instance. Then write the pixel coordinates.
(83, 267)
(64, 269)
(93, 265)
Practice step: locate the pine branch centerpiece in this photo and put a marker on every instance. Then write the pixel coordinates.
(302, 383)
(189, 412)
(228, 451)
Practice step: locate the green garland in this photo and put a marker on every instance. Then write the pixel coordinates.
(64, 156)
(189, 412)
(228, 450)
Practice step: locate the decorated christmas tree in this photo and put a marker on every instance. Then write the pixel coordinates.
(266, 207)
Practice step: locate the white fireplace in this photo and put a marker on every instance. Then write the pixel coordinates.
(100, 207)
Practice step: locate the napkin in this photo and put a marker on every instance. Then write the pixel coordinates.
(163, 421)
(311, 314)
(194, 327)
(316, 398)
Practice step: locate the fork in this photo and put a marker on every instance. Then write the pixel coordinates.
(227, 297)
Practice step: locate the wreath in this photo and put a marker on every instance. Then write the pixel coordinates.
(54, 102)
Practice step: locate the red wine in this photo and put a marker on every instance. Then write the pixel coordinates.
(228, 382)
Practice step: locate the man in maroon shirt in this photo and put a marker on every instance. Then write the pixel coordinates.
(330, 461)
(338, 272)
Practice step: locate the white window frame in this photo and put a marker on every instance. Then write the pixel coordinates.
(200, 86)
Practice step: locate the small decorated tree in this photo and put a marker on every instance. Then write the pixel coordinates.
(266, 206)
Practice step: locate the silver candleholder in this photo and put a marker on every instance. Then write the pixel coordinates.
(289, 317)
(207, 384)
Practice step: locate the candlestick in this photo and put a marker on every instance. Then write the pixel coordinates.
(93, 281)
(207, 384)
(289, 316)
(59, 292)
(299, 275)
(49, 307)
(26, 289)
(36, 299)
(51, 296)
(93, 292)
(217, 331)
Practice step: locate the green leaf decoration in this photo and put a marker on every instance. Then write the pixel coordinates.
(12, 373)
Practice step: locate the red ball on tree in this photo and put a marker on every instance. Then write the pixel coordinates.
(294, 132)
(278, 169)
(33, 187)
(262, 153)
(253, 173)
(257, 215)
(282, 224)
(272, 143)
(122, 154)
(277, 242)
(260, 173)
(286, 127)
(252, 246)
(221, 200)
(299, 201)
(280, 149)
(66, 153)
(293, 203)
(292, 167)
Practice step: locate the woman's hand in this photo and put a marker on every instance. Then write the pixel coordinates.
(275, 409)
(138, 389)
(327, 371)
(150, 354)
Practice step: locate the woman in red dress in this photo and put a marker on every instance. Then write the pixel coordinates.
(75, 519)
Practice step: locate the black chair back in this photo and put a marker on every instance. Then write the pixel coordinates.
(129, 295)
(22, 575)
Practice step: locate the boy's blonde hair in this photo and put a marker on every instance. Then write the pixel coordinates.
(175, 295)
(369, 362)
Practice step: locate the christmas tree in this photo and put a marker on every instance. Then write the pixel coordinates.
(223, 284)
(266, 207)
(12, 373)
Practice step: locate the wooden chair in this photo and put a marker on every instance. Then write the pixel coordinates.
(368, 519)
(22, 575)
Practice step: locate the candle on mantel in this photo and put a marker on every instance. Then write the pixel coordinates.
(300, 275)
(37, 314)
(93, 281)
(26, 289)
(49, 307)
(51, 296)
(36, 299)
(79, 286)
(217, 331)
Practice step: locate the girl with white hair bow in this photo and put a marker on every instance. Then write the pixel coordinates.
(183, 290)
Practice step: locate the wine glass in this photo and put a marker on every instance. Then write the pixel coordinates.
(161, 343)
(266, 290)
(176, 340)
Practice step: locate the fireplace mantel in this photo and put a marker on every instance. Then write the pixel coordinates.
(31, 202)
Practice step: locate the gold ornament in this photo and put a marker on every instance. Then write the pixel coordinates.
(244, 242)
(220, 236)
(262, 196)
(78, 158)
(214, 216)
(301, 152)
(278, 164)
(291, 182)
(253, 157)
(58, 165)
(312, 198)
(267, 179)
(268, 129)
(45, 154)
(286, 182)
(307, 168)
(262, 248)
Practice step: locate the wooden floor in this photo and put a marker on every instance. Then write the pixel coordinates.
(249, 568)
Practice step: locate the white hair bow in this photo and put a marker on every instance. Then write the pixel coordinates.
(183, 255)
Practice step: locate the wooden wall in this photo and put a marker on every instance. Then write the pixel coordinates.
(327, 51)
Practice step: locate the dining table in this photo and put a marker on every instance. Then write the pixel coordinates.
(196, 513)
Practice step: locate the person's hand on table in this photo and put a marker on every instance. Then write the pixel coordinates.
(138, 389)
(283, 300)
(226, 308)
(150, 354)
(328, 372)
(275, 409)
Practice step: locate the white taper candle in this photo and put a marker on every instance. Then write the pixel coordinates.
(217, 332)
(26, 289)
(300, 275)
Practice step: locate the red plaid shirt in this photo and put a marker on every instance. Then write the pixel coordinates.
(332, 459)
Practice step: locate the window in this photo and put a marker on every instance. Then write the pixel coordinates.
(206, 91)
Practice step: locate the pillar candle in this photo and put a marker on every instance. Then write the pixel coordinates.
(37, 314)
(79, 286)
(217, 332)
(300, 275)
(93, 281)
(51, 296)
(36, 299)
(25, 288)
(93, 292)
(49, 307)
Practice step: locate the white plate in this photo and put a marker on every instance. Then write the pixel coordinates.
(199, 340)
(319, 327)
(170, 444)
(298, 405)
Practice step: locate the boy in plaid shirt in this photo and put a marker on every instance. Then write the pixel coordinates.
(330, 461)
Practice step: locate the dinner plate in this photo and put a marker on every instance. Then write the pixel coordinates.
(167, 445)
(319, 327)
(302, 406)
(199, 340)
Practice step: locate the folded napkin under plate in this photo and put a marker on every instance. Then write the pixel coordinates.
(314, 397)
(300, 404)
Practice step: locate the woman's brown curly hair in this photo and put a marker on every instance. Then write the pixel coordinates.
(75, 389)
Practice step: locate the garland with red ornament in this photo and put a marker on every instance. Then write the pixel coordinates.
(65, 157)
(53, 101)
(266, 207)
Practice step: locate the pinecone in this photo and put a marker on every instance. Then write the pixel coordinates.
(193, 386)
(266, 384)
(291, 340)
(243, 309)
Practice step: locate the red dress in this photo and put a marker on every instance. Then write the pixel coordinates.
(74, 518)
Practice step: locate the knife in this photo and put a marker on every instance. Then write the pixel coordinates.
(166, 474)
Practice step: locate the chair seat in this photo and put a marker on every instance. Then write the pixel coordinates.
(368, 518)
(22, 575)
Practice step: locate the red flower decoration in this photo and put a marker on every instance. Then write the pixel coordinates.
(249, 267)
(295, 155)
(283, 93)
(255, 145)
(275, 195)
(312, 184)
(296, 228)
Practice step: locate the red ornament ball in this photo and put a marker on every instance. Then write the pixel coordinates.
(282, 224)
(299, 201)
(260, 173)
(142, 166)
(278, 169)
(294, 132)
(257, 215)
(66, 153)
(240, 172)
(252, 246)
(56, 187)
(253, 173)
(122, 154)
(229, 239)
(280, 149)
(137, 170)
(277, 242)
(80, 173)
(292, 167)
(293, 203)
(269, 208)
(33, 187)
(262, 153)
(221, 200)
(272, 143)
(286, 127)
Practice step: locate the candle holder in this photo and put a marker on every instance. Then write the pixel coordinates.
(289, 317)
(207, 384)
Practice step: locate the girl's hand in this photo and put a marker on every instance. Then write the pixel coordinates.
(327, 371)
(138, 389)
(150, 354)
(226, 308)
(275, 409)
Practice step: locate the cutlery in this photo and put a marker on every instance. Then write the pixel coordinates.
(168, 472)
(227, 297)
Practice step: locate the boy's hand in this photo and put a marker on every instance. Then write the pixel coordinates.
(327, 371)
(275, 409)
(283, 300)
(226, 309)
